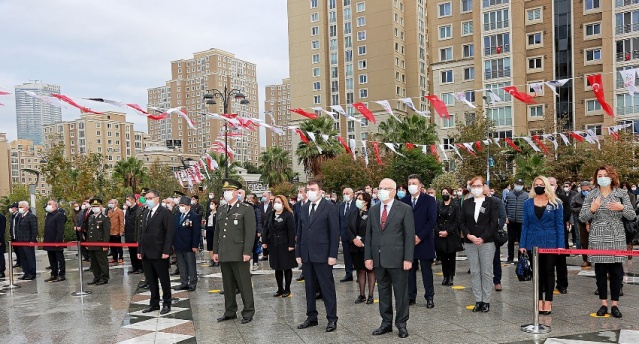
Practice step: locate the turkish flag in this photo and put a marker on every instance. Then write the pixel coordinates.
(343, 142)
(478, 145)
(365, 111)
(539, 143)
(576, 136)
(466, 149)
(379, 158)
(439, 105)
(409, 146)
(307, 114)
(433, 150)
(302, 136)
(596, 83)
(512, 144)
(524, 97)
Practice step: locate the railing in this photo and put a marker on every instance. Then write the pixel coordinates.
(622, 3)
(627, 110)
(492, 50)
(626, 28)
(496, 25)
(494, 74)
(627, 55)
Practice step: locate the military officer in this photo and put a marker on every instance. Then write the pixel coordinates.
(232, 248)
(98, 230)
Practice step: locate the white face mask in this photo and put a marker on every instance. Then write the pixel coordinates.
(519, 187)
(312, 195)
(48, 208)
(211, 196)
(347, 198)
(76, 208)
(212, 206)
(223, 202)
(477, 191)
(96, 210)
(413, 189)
(300, 197)
(383, 195)
(277, 206)
(359, 203)
(128, 204)
(84, 207)
(21, 210)
(110, 205)
(176, 200)
(164, 205)
(182, 209)
(192, 202)
(228, 195)
(566, 189)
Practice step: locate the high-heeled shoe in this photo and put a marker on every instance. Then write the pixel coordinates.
(548, 309)
(360, 299)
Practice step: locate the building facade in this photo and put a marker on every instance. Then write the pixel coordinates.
(33, 114)
(19, 163)
(276, 108)
(190, 80)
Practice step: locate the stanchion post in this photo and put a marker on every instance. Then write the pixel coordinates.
(81, 292)
(535, 327)
(11, 285)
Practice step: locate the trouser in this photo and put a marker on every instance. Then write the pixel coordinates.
(497, 266)
(154, 270)
(348, 259)
(3, 249)
(562, 266)
(237, 275)
(615, 270)
(256, 255)
(99, 264)
(57, 263)
(319, 274)
(186, 265)
(514, 234)
(427, 278)
(389, 282)
(83, 249)
(547, 263)
(283, 279)
(28, 260)
(584, 236)
(136, 264)
(481, 259)
(117, 252)
(449, 262)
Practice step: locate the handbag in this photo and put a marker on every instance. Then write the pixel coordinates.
(500, 237)
(524, 270)
(258, 247)
(630, 227)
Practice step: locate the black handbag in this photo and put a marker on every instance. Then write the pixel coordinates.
(524, 270)
(500, 237)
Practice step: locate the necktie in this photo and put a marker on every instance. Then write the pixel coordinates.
(312, 209)
(384, 216)
(414, 202)
(229, 209)
(346, 209)
(181, 218)
(150, 215)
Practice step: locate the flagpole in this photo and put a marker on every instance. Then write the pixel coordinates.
(488, 145)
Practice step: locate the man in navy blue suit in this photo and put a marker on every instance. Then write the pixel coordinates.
(345, 210)
(425, 216)
(316, 250)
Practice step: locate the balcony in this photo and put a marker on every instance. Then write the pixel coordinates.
(494, 74)
(499, 49)
(496, 25)
(627, 110)
(626, 28)
(622, 3)
(627, 55)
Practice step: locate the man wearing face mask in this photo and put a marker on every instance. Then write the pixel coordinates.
(54, 232)
(13, 227)
(345, 209)
(188, 226)
(265, 208)
(515, 211)
(132, 222)
(375, 199)
(27, 231)
(196, 207)
(98, 230)
(116, 216)
(233, 244)
(576, 203)
(301, 200)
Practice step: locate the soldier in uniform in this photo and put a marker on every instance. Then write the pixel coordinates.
(98, 230)
(232, 248)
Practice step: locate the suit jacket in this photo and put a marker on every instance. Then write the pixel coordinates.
(54, 229)
(264, 214)
(425, 215)
(343, 218)
(486, 223)
(296, 212)
(27, 227)
(235, 232)
(3, 232)
(156, 237)
(317, 236)
(357, 230)
(187, 231)
(116, 215)
(13, 226)
(394, 245)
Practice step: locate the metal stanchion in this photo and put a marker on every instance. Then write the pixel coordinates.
(82, 292)
(535, 327)
(11, 285)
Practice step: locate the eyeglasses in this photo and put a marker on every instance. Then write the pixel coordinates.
(387, 189)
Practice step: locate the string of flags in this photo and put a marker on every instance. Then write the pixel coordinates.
(195, 174)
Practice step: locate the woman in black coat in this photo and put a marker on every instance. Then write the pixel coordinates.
(210, 229)
(356, 231)
(447, 239)
(279, 233)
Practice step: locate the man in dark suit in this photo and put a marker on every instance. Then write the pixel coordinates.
(13, 220)
(26, 231)
(132, 222)
(425, 216)
(265, 206)
(54, 232)
(345, 209)
(316, 250)
(389, 246)
(154, 249)
(301, 200)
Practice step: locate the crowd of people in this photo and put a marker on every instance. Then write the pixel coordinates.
(387, 234)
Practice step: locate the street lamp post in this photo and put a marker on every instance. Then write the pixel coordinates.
(32, 188)
(225, 96)
(487, 100)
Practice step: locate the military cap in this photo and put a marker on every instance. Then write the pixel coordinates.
(14, 205)
(177, 194)
(185, 200)
(95, 202)
(231, 184)
(144, 191)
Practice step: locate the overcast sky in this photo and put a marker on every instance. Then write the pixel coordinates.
(117, 49)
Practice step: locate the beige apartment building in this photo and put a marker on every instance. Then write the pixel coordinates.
(15, 157)
(343, 52)
(277, 104)
(190, 80)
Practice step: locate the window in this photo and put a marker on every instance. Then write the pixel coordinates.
(593, 105)
(348, 42)
(470, 96)
(596, 128)
(361, 50)
(332, 17)
(448, 122)
(332, 4)
(497, 68)
(361, 64)
(360, 7)
(348, 56)
(533, 15)
(591, 5)
(314, 17)
(361, 36)
(467, 28)
(317, 99)
(363, 79)
(466, 5)
(315, 44)
(494, 20)
(593, 55)
(315, 31)
(593, 29)
(332, 31)
(448, 142)
(361, 21)
(363, 93)
(498, 89)
(534, 38)
(347, 28)
(313, 3)
(501, 116)
(469, 50)
(315, 57)
(627, 104)
(448, 99)
(469, 73)
(445, 54)
(535, 63)
(497, 44)
(317, 86)
(445, 9)
(445, 32)
(316, 72)
(536, 111)
(446, 76)
(349, 83)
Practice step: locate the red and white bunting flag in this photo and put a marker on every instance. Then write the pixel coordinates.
(211, 164)
(203, 167)
(325, 137)
(71, 102)
(463, 146)
(612, 132)
(188, 177)
(540, 143)
(343, 142)
(629, 76)
(552, 139)
(365, 151)
(512, 144)
(365, 112)
(353, 147)
(596, 83)
(391, 146)
(461, 96)
(576, 136)
(524, 97)
(564, 139)
(340, 110)
(537, 87)
(183, 114)
(199, 175)
(469, 147)
(433, 150)
(456, 151)
(270, 114)
(441, 147)
(328, 113)
(409, 103)
(409, 146)
(304, 113)
(4, 93)
(553, 84)
(494, 98)
(478, 146)
(46, 99)
(439, 105)
(387, 107)
(594, 137)
(376, 148)
(179, 179)
(312, 137)
(496, 139)
(302, 136)
(531, 143)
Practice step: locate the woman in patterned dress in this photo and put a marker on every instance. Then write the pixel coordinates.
(604, 206)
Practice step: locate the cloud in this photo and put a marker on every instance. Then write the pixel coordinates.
(118, 49)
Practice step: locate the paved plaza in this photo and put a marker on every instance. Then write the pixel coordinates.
(41, 312)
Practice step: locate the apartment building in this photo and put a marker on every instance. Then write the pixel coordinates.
(276, 108)
(19, 159)
(32, 114)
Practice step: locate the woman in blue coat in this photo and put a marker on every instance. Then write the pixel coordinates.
(543, 227)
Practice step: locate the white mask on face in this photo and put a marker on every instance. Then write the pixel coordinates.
(49, 208)
(76, 208)
(176, 200)
(164, 204)
(566, 189)
(21, 210)
(300, 197)
(228, 195)
(128, 204)
(360, 203)
(477, 191)
(277, 206)
(182, 209)
(413, 189)
(110, 205)
(211, 196)
(312, 195)
(84, 207)
(212, 206)
(347, 198)
(96, 210)
(383, 195)
(192, 202)
(519, 188)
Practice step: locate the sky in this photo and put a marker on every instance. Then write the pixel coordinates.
(117, 49)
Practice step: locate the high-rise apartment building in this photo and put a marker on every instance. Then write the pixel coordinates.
(190, 80)
(343, 52)
(277, 104)
(19, 159)
(32, 114)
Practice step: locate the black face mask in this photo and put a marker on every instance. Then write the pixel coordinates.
(445, 197)
(540, 190)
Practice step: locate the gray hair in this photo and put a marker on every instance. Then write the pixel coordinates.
(23, 203)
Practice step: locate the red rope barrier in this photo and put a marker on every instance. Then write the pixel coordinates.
(72, 243)
(589, 252)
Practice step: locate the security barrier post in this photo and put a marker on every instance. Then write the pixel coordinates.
(535, 327)
(82, 292)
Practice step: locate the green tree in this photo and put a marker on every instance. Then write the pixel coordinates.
(414, 162)
(414, 129)
(130, 172)
(343, 171)
(276, 166)
(445, 180)
(308, 154)
(160, 177)
(287, 189)
(214, 181)
(251, 168)
(530, 167)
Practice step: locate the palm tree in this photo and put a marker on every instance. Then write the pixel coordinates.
(414, 129)
(528, 168)
(276, 166)
(131, 171)
(308, 154)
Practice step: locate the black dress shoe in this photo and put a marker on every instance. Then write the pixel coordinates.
(332, 326)
(48, 268)
(101, 282)
(430, 303)
(307, 323)
(286, 294)
(445, 281)
(2, 275)
(412, 302)
(246, 320)
(402, 332)
(226, 317)
(299, 279)
(615, 312)
(347, 279)
(165, 310)
(360, 299)
(22, 277)
(278, 293)
(59, 279)
(181, 287)
(175, 273)
(382, 330)
(486, 307)
(603, 310)
(478, 307)
(93, 282)
(50, 279)
(563, 291)
(29, 278)
(151, 309)
(264, 258)
(191, 288)
(450, 281)
(17, 266)
(318, 296)
(145, 286)
(135, 272)
(369, 300)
